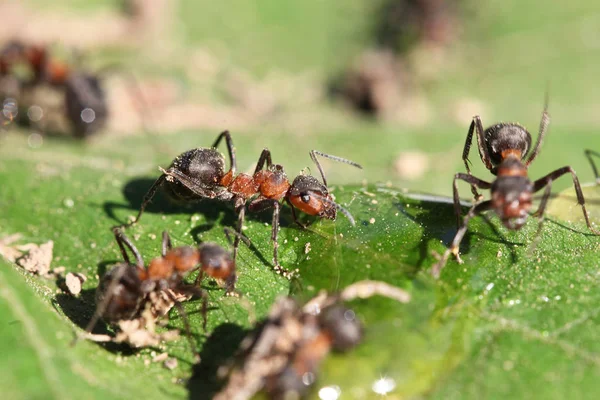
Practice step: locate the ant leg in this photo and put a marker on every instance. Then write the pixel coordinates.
(475, 183)
(147, 198)
(241, 210)
(589, 154)
(123, 241)
(186, 321)
(455, 245)
(173, 174)
(228, 232)
(166, 243)
(542, 132)
(477, 126)
(275, 232)
(546, 180)
(265, 156)
(230, 149)
(294, 216)
(260, 204)
(313, 156)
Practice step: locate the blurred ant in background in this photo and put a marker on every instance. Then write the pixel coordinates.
(200, 173)
(503, 148)
(283, 354)
(84, 99)
(125, 291)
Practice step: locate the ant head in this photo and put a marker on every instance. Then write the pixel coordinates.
(342, 326)
(217, 262)
(312, 197)
(125, 295)
(511, 198)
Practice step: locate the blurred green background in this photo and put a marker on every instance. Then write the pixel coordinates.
(264, 69)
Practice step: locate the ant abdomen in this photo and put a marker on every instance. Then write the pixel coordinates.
(126, 296)
(504, 138)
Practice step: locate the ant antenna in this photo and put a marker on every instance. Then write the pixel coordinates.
(337, 206)
(122, 239)
(313, 156)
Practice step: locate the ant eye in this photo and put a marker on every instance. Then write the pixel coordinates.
(305, 198)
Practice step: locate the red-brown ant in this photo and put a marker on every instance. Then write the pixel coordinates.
(85, 100)
(200, 173)
(124, 291)
(503, 148)
(283, 355)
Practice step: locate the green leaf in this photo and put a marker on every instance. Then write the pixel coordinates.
(519, 318)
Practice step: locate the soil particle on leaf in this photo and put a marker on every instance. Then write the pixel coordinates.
(38, 258)
(170, 363)
(7, 251)
(73, 282)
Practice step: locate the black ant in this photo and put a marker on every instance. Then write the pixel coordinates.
(85, 100)
(282, 356)
(200, 173)
(503, 148)
(125, 291)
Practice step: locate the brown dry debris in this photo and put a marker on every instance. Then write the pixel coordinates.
(73, 282)
(140, 332)
(7, 251)
(38, 258)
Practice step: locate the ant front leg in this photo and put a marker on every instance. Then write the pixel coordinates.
(547, 180)
(146, 200)
(230, 149)
(294, 216)
(475, 183)
(265, 157)
(455, 245)
(477, 126)
(589, 154)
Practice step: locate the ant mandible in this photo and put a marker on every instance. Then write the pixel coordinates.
(503, 149)
(85, 100)
(125, 290)
(200, 173)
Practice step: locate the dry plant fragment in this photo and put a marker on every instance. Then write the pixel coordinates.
(38, 258)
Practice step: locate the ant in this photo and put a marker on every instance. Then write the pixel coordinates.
(283, 354)
(503, 149)
(200, 173)
(125, 291)
(85, 100)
